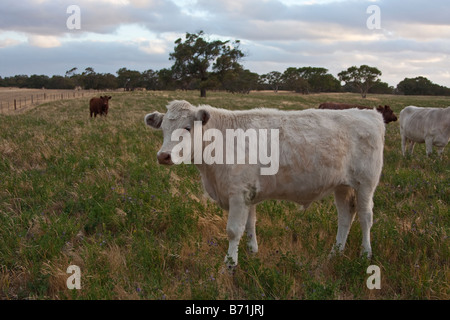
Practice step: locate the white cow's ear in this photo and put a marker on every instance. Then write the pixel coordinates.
(203, 116)
(154, 119)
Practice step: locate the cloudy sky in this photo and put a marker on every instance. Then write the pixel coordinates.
(411, 38)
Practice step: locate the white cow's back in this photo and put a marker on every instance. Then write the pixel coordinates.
(319, 150)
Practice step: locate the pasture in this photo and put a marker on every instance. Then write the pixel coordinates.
(89, 192)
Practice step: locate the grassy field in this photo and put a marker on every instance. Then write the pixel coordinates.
(89, 192)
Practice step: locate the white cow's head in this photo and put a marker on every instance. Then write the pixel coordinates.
(179, 119)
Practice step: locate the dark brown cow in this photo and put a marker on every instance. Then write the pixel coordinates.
(99, 106)
(386, 111)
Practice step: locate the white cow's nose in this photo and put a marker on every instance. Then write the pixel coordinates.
(164, 158)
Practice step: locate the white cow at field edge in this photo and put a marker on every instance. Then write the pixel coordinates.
(429, 125)
(321, 151)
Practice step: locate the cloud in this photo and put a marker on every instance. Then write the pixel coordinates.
(414, 35)
(105, 57)
(49, 17)
(271, 20)
(8, 42)
(241, 18)
(157, 46)
(421, 32)
(44, 41)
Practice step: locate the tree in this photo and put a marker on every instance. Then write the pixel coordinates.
(89, 78)
(240, 81)
(71, 72)
(381, 88)
(76, 78)
(128, 79)
(362, 78)
(274, 79)
(227, 66)
(421, 86)
(328, 83)
(194, 56)
(106, 81)
(313, 76)
(20, 81)
(60, 82)
(294, 81)
(38, 81)
(150, 79)
(165, 80)
(319, 80)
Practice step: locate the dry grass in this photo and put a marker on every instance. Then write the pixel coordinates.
(88, 192)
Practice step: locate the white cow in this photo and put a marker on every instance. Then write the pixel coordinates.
(321, 151)
(429, 125)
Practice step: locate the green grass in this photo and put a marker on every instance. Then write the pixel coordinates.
(89, 192)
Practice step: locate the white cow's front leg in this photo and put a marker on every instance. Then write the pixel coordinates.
(237, 218)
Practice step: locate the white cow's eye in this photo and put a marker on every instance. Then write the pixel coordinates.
(188, 128)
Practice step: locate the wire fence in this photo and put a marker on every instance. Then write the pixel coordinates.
(20, 99)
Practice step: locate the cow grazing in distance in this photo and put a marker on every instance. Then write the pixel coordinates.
(99, 106)
(320, 152)
(386, 111)
(429, 125)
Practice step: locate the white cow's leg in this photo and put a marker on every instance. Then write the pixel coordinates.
(440, 143)
(345, 204)
(411, 147)
(237, 218)
(365, 214)
(250, 229)
(404, 142)
(429, 145)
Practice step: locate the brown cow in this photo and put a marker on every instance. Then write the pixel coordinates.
(386, 111)
(99, 106)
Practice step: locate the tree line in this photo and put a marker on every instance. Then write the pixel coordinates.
(203, 64)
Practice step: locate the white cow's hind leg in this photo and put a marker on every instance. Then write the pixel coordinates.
(237, 219)
(411, 147)
(404, 143)
(250, 229)
(344, 198)
(365, 214)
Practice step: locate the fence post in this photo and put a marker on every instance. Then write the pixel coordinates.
(15, 105)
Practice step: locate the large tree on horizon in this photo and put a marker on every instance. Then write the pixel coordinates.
(193, 58)
(362, 78)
